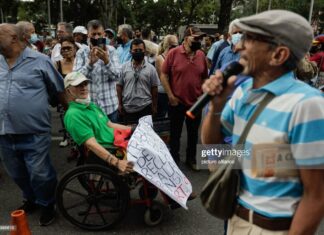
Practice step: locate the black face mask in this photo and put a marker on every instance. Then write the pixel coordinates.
(119, 40)
(138, 56)
(313, 49)
(195, 46)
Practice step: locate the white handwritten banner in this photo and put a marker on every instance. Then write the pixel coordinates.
(154, 162)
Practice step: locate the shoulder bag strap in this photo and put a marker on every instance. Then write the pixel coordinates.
(258, 110)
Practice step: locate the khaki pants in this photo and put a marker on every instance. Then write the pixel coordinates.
(238, 226)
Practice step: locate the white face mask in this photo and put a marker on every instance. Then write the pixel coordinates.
(85, 101)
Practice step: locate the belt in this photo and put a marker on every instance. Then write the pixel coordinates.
(273, 224)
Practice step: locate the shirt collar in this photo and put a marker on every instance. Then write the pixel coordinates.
(280, 85)
(127, 44)
(277, 87)
(80, 106)
(28, 52)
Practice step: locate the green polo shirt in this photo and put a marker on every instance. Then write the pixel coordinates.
(84, 122)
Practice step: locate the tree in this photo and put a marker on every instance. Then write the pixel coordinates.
(224, 14)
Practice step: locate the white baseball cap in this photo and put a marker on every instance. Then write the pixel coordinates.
(80, 29)
(74, 79)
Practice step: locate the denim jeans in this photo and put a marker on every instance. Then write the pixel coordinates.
(27, 161)
(113, 117)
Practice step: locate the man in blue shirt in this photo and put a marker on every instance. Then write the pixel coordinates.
(28, 82)
(124, 39)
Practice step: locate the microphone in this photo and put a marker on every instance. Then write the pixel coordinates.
(233, 68)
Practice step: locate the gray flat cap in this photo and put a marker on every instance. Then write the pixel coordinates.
(287, 28)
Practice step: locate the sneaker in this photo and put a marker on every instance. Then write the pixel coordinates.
(47, 215)
(64, 143)
(28, 206)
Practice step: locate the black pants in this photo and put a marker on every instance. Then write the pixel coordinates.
(177, 115)
(130, 118)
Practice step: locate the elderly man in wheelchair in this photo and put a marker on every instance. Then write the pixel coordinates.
(93, 196)
(88, 124)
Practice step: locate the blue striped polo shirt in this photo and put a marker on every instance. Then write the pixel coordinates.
(295, 116)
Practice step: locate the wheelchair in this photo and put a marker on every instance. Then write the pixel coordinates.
(95, 196)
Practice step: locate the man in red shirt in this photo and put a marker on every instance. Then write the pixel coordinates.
(183, 72)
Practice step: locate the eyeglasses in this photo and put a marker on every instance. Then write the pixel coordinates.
(66, 48)
(257, 37)
(237, 32)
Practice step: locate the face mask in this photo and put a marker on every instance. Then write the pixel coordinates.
(108, 41)
(138, 56)
(236, 38)
(313, 49)
(33, 38)
(195, 45)
(85, 101)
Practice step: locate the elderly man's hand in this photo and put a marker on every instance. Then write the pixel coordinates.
(125, 166)
(213, 86)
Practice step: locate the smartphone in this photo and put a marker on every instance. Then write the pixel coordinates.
(102, 42)
(94, 42)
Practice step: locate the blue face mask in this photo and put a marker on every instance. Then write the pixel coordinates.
(33, 38)
(236, 38)
(107, 41)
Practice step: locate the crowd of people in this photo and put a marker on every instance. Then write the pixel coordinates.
(99, 78)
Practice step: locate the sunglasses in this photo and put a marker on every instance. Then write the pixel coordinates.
(246, 37)
(66, 48)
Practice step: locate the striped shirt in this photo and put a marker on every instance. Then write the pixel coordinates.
(294, 117)
(104, 77)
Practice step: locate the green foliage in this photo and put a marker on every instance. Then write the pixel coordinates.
(162, 16)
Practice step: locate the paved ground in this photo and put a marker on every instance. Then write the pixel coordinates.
(180, 221)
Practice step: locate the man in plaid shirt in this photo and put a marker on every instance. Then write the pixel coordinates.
(99, 63)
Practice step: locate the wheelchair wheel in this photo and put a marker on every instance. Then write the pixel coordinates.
(92, 197)
(154, 214)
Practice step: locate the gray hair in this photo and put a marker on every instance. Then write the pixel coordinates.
(128, 32)
(94, 24)
(68, 27)
(23, 27)
(18, 31)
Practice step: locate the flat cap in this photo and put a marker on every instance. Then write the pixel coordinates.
(287, 28)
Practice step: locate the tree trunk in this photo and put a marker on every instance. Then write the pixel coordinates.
(224, 14)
